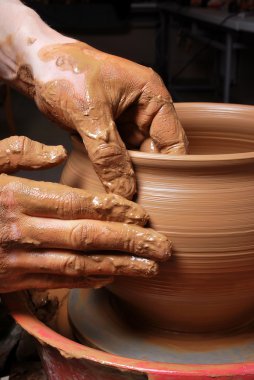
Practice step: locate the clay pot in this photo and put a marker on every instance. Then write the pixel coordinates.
(205, 203)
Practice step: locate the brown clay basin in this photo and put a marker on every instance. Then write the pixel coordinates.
(204, 202)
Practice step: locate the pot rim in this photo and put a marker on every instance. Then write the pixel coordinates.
(202, 110)
(17, 305)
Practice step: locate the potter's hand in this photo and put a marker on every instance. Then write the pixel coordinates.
(88, 91)
(45, 228)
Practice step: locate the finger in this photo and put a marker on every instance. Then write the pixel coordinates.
(149, 146)
(97, 129)
(87, 235)
(167, 132)
(69, 263)
(19, 152)
(157, 114)
(155, 111)
(109, 155)
(139, 116)
(47, 199)
(48, 281)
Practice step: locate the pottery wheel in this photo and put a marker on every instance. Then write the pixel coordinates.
(96, 322)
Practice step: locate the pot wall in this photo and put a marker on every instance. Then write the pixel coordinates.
(205, 205)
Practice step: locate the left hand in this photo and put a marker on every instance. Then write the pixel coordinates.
(52, 236)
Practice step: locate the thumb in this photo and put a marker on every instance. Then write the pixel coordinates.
(19, 152)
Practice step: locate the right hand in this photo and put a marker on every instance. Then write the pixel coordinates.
(48, 230)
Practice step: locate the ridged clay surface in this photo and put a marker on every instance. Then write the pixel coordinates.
(204, 203)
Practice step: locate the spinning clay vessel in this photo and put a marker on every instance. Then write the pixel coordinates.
(204, 202)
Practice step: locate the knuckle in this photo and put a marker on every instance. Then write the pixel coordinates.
(123, 238)
(155, 77)
(156, 86)
(109, 202)
(10, 235)
(152, 75)
(106, 154)
(68, 205)
(9, 230)
(73, 264)
(19, 144)
(14, 148)
(81, 236)
(8, 203)
(7, 193)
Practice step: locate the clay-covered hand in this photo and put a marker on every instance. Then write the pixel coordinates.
(53, 236)
(91, 92)
(98, 95)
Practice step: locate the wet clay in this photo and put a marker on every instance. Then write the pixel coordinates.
(25, 81)
(204, 203)
(74, 57)
(120, 265)
(19, 152)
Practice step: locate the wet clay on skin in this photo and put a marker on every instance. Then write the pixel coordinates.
(107, 151)
(19, 152)
(111, 160)
(46, 229)
(204, 203)
(92, 93)
(86, 110)
(112, 166)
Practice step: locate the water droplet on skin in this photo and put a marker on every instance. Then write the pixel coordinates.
(76, 69)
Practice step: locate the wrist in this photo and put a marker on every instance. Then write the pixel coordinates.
(12, 16)
(34, 35)
(21, 41)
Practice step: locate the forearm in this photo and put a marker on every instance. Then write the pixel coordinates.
(22, 35)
